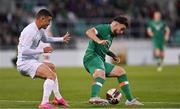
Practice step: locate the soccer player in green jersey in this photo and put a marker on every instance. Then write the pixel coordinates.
(159, 32)
(94, 60)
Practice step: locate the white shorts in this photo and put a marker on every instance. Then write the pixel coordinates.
(28, 67)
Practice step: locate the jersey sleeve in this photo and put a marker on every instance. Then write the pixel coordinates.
(46, 39)
(102, 32)
(100, 29)
(29, 52)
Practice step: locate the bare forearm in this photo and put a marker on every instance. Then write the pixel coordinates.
(115, 58)
(109, 53)
(91, 33)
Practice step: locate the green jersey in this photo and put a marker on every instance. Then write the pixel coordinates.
(103, 33)
(158, 28)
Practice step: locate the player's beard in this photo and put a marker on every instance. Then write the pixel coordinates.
(45, 26)
(116, 33)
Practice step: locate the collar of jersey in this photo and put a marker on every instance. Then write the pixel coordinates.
(35, 26)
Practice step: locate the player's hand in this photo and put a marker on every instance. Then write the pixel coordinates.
(66, 37)
(48, 49)
(116, 59)
(103, 42)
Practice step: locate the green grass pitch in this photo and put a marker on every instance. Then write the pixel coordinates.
(154, 89)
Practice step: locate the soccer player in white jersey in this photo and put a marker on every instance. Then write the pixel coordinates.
(28, 64)
(46, 56)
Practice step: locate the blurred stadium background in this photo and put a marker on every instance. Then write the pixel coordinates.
(76, 16)
(155, 89)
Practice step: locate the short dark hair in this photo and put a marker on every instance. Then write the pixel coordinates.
(43, 12)
(122, 20)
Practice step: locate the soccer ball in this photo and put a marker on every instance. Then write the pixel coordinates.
(113, 96)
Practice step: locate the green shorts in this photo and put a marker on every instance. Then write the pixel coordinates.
(157, 45)
(97, 63)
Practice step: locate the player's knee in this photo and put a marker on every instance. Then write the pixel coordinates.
(99, 73)
(120, 71)
(52, 67)
(157, 52)
(52, 76)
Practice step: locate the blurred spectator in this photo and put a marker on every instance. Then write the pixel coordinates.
(76, 15)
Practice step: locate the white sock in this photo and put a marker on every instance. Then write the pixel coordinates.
(56, 89)
(48, 86)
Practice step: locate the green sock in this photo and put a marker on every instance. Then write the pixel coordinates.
(162, 59)
(158, 60)
(96, 87)
(123, 82)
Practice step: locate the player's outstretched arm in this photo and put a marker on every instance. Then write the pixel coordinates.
(47, 39)
(91, 33)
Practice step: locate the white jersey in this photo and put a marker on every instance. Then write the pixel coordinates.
(29, 40)
(42, 44)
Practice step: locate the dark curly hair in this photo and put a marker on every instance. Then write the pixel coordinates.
(122, 20)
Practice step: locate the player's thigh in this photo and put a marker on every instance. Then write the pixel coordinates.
(94, 64)
(43, 71)
(109, 68)
(51, 66)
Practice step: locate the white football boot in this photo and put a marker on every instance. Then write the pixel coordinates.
(134, 102)
(98, 100)
(159, 69)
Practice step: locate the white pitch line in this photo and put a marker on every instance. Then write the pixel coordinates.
(162, 103)
(19, 101)
(23, 101)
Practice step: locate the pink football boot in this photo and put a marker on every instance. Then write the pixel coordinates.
(61, 101)
(46, 106)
